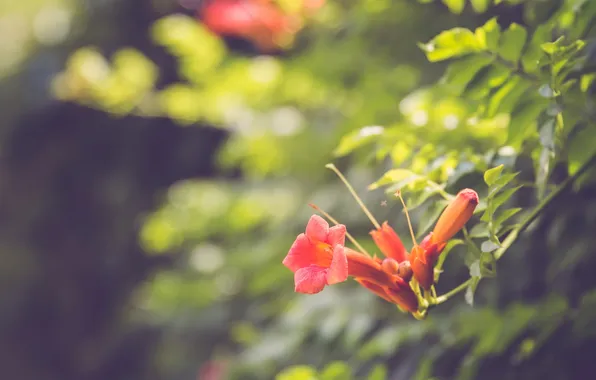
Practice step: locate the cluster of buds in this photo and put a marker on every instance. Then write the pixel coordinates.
(319, 257)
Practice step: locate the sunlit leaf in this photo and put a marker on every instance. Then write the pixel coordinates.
(300, 372)
(491, 175)
(450, 44)
(489, 34)
(393, 176)
(461, 72)
(336, 370)
(357, 139)
(455, 6)
(512, 42)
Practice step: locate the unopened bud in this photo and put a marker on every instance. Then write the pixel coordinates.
(390, 266)
(405, 271)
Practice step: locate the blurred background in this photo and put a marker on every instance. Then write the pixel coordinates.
(157, 158)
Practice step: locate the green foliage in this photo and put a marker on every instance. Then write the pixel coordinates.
(351, 89)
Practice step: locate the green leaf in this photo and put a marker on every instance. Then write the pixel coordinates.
(479, 230)
(498, 200)
(586, 81)
(469, 296)
(393, 176)
(357, 139)
(523, 121)
(452, 244)
(581, 148)
(299, 372)
(500, 183)
(491, 175)
(455, 6)
(336, 370)
(531, 58)
(488, 246)
(379, 372)
(512, 42)
(551, 48)
(480, 6)
(430, 216)
(489, 34)
(460, 73)
(451, 43)
(507, 97)
(488, 264)
(505, 216)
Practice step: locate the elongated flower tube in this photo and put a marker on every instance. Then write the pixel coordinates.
(389, 242)
(455, 216)
(318, 258)
(424, 257)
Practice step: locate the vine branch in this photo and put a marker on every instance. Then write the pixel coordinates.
(514, 234)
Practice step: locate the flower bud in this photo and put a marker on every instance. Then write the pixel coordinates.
(389, 242)
(455, 216)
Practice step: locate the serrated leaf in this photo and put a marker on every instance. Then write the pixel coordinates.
(358, 138)
(488, 246)
(492, 175)
(393, 176)
(505, 215)
(512, 42)
(451, 43)
(455, 6)
(460, 73)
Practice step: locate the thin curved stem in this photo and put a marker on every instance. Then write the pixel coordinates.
(355, 195)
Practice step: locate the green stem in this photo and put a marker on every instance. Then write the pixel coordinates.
(514, 234)
(355, 195)
(452, 292)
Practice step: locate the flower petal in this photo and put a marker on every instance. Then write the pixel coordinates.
(310, 280)
(389, 242)
(302, 254)
(338, 270)
(337, 235)
(317, 228)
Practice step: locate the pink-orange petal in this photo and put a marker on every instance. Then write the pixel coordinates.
(337, 235)
(338, 270)
(301, 254)
(310, 280)
(317, 228)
